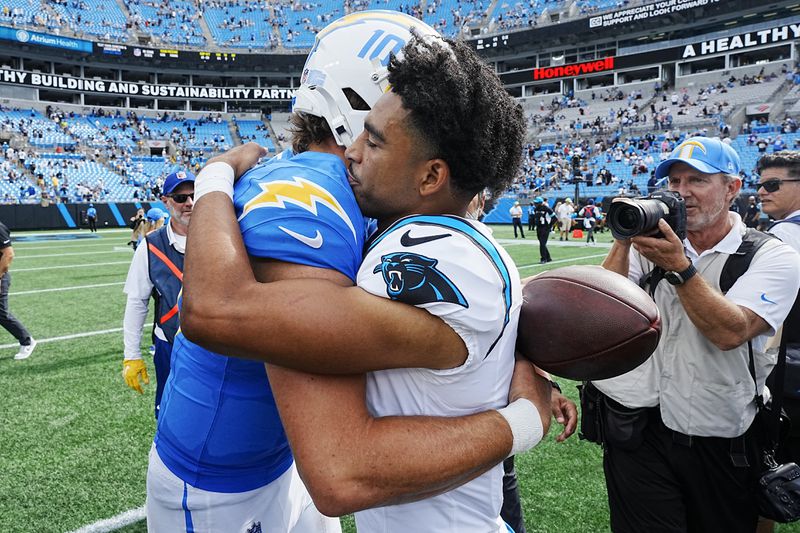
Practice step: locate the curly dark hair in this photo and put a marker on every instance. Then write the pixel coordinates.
(477, 127)
(788, 159)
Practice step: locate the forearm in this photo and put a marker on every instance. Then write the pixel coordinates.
(132, 325)
(307, 324)
(401, 466)
(311, 325)
(351, 461)
(721, 321)
(618, 258)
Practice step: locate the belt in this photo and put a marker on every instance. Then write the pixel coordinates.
(738, 445)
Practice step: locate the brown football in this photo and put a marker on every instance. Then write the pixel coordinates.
(585, 323)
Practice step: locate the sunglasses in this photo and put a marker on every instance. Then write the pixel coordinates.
(772, 185)
(181, 198)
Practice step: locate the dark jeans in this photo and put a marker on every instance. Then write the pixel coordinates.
(7, 320)
(543, 233)
(92, 223)
(669, 484)
(517, 222)
(511, 512)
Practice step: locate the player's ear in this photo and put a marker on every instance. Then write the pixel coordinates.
(435, 177)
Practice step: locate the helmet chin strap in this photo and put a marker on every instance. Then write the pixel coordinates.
(342, 132)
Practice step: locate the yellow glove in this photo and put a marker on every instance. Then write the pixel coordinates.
(131, 370)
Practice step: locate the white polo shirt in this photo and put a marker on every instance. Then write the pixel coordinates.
(788, 232)
(762, 289)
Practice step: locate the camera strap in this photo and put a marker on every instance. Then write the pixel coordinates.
(774, 413)
(739, 261)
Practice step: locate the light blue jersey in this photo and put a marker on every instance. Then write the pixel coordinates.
(219, 428)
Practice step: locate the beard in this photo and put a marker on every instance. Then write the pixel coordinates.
(706, 216)
(179, 216)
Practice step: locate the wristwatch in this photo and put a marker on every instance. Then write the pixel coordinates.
(679, 278)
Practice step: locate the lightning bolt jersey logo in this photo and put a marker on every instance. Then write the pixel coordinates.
(299, 192)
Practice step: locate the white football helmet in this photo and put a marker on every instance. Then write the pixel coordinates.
(352, 54)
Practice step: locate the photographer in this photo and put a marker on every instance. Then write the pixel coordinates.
(677, 430)
(138, 223)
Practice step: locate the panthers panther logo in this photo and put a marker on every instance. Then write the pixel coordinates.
(413, 279)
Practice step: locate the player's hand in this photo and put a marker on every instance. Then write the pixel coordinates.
(527, 383)
(565, 413)
(132, 369)
(666, 252)
(242, 158)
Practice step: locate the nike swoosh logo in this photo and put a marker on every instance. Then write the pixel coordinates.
(765, 299)
(407, 240)
(314, 242)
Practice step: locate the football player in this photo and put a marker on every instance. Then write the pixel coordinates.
(453, 359)
(221, 460)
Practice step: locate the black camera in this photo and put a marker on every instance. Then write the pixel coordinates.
(629, 217)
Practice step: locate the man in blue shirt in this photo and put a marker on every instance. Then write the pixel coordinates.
(91, 217)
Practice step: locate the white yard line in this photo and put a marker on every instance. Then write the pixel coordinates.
(83, 243)
(115, 251)
(114, 523)
(68, 232)
(14, 270)
(568, 244)
(58, 289)
(66, 337)
(573, 260)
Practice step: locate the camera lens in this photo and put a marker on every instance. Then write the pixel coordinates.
(631, 217)
(625, 219)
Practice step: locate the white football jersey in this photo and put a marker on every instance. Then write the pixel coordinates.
(454, 269)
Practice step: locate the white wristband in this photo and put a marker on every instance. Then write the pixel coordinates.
(216, 177)
(526, 424)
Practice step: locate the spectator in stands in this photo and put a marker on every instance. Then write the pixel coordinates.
(157, 269)
(652, 182)
(7, 320)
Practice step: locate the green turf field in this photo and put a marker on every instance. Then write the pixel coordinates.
(74, 439)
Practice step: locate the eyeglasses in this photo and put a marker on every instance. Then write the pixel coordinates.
(772, 185)
(181, 198)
